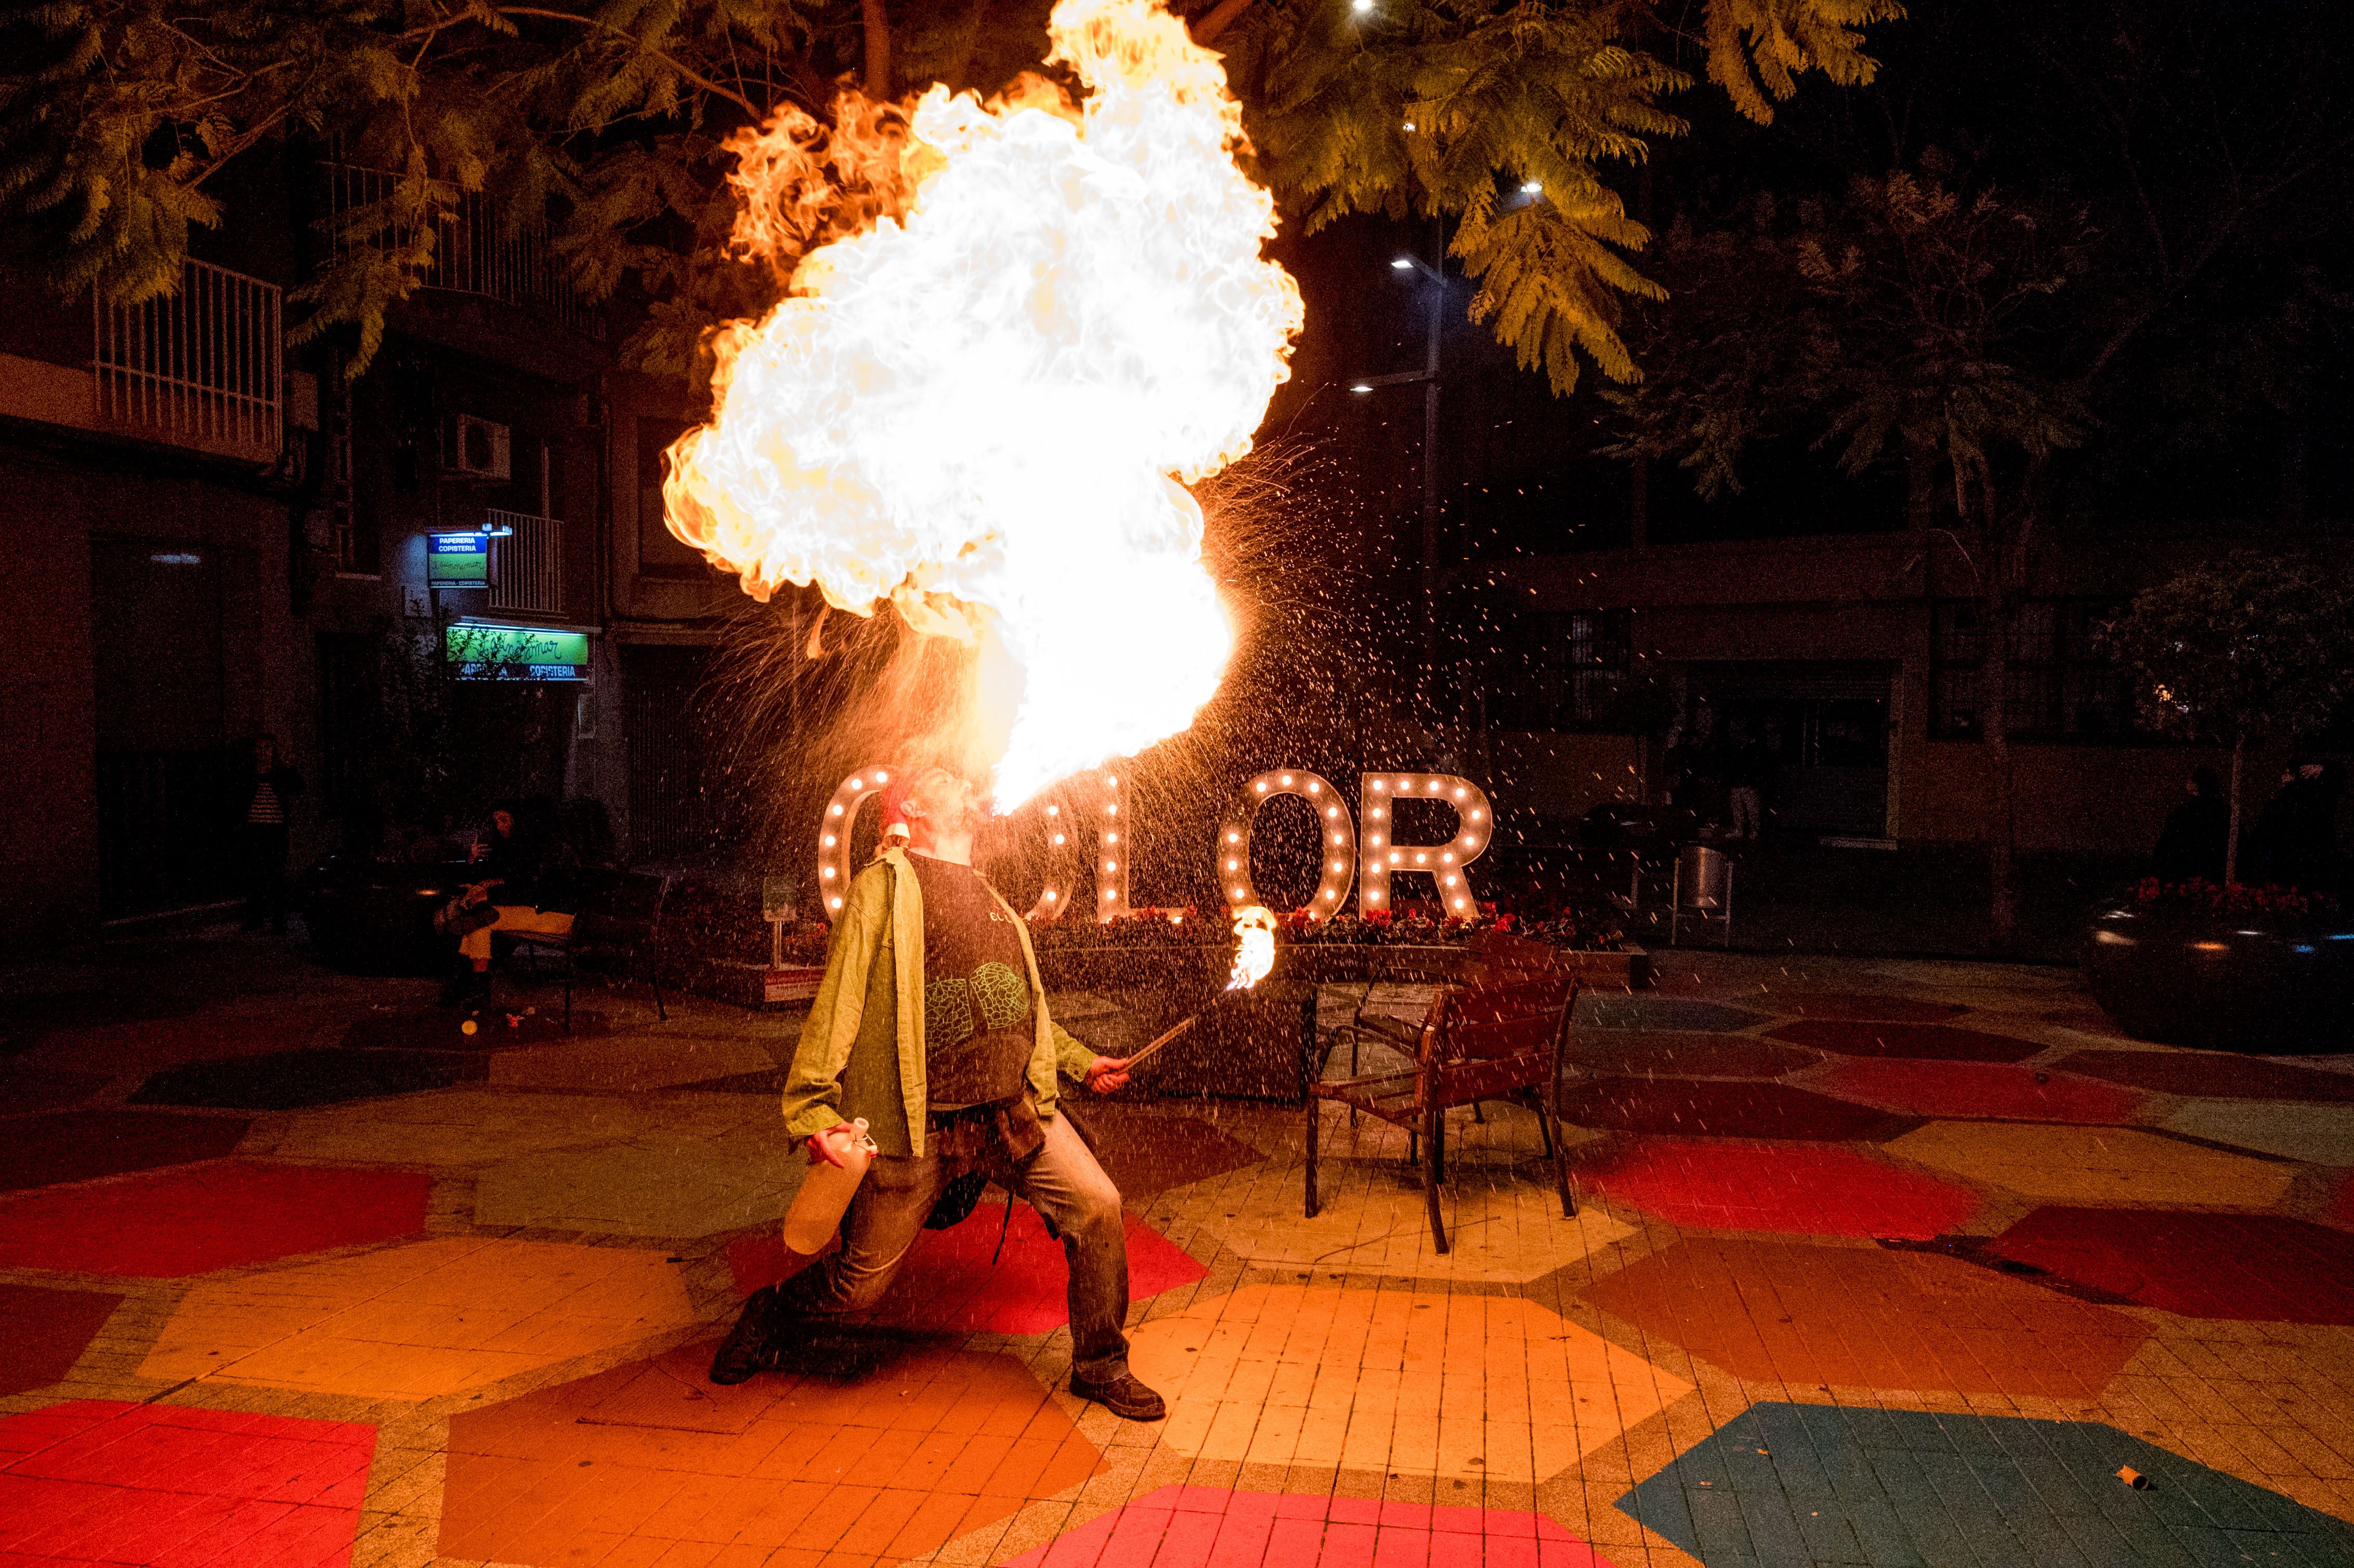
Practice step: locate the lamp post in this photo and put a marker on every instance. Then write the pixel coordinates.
(1428, 376)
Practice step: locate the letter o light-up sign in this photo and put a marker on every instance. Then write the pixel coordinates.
(834, 835)
(1385, 855)
(1104, 829)
(1336, 835)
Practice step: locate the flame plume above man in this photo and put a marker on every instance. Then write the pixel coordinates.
(1024, 326)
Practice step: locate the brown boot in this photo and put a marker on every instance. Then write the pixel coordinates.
(753, 1344)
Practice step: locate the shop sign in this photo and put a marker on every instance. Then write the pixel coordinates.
(514, 653)
(458, 560)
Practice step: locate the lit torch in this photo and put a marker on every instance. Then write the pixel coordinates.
(1015, 332)
(1254, 946)
(1254, 956)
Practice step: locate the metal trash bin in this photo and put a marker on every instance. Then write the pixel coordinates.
(1704, 891)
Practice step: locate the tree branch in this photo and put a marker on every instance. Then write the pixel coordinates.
(697, 77)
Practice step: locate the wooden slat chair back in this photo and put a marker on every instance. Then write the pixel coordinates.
(1504, 1038)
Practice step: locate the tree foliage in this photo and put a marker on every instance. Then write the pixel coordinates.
(2242, 647)
(606, 124)
(1907, 321)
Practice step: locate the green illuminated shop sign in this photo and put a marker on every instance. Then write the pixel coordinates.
(458, 560)
(516, 653)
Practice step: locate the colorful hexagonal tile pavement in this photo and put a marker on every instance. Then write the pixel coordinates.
(2098, 1165)
(852, 1464)
(417, 1320)
(994, 1273)
(2256, 1267)
(1717, 1184)
(1817, 1319)
(1967, 1283)
(1418, 1382)
(1210, 1527)
(1792, 1486)
(1633, 1053)
(196, 1219)
(100, 1481)
(288, 1080)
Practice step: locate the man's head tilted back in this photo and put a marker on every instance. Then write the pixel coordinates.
(925, 804)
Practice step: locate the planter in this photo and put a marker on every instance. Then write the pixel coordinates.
(2266, 983)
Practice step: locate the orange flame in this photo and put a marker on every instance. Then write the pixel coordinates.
(1254, 946)
(1024, 327)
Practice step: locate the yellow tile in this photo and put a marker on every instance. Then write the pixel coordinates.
(1440, 1381)
(420, 1320)
(2094, 1164)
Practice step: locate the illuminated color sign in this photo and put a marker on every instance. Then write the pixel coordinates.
(516, 653)
(458, 560)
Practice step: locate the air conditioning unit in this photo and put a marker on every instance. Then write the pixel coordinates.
(474, 449)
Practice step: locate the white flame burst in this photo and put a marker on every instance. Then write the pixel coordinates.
(1254, 946)
(981, 405)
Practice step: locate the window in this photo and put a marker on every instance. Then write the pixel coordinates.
(1575, 666)
(2062, 686)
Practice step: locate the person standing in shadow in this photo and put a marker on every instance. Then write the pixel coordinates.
(2192, 842)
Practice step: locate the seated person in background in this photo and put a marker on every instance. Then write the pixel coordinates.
(512, 866)
(2192, 843)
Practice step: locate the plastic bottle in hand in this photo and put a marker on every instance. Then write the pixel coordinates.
(825, 1194)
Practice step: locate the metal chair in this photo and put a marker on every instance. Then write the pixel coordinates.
(615, 919)
(1504, 1038)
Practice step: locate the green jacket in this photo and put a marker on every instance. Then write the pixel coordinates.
(862, 1051)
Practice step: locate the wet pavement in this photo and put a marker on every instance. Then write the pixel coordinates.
(1877, 1263)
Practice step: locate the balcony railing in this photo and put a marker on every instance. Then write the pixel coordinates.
(470, 256)
(526, 566)
(200, 368)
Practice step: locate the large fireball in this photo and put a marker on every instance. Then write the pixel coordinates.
(983, 400)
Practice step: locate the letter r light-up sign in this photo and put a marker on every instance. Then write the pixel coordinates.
(1090, 816)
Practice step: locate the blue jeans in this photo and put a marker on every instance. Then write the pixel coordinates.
(1062, 1181)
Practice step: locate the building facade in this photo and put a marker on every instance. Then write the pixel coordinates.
(1853, 661)
(214, 534)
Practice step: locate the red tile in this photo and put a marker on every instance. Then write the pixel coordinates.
(1716, 1107)
(199, 1218)
(1939, 1040)
(2250, 1267)
(1856, 1005)
(181, 1489)
(44, 1332)
(75, 1146)
(1802, 1190)
(955, 1282)
(2213, 1073)
(1998, 1089)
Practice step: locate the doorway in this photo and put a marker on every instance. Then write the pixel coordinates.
(1819, 728)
